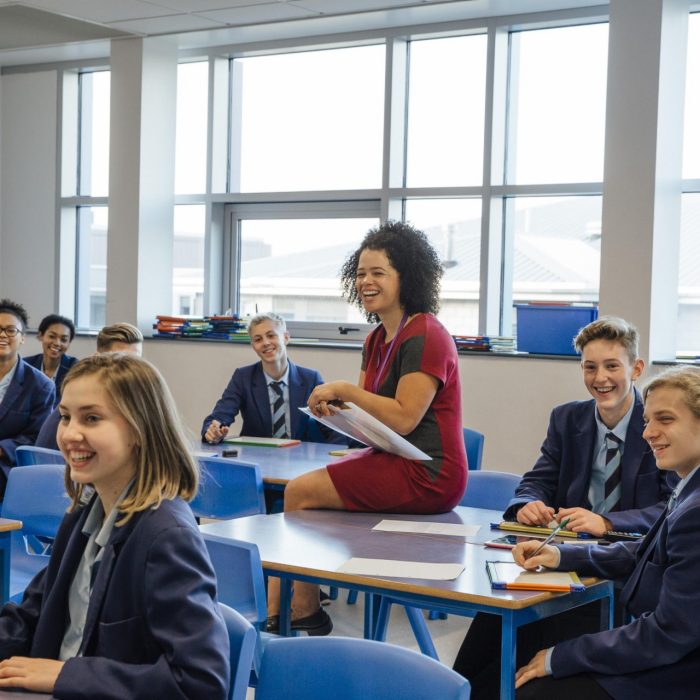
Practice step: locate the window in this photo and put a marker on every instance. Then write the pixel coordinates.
(91, 288)
(191, 128)
(447, 87)
(290, 258)
(453, 227)
(188, 260)
(308, 121)
(93, 176)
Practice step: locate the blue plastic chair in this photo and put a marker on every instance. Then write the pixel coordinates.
(241, 637)
(228, 489)
(474, 445)
(38, 498)
(490, 489)
(311, 668)
(27, 455)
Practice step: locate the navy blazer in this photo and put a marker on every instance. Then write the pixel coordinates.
(27, 404)
(247, 394)
(658, 654)
(562, 474)
(67, 361)
(47, 434)
(153, 628)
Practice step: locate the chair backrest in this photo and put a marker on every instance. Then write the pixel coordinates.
(239, 576)
(242, 638)
(228, 489)
(37, 497)
(474, 445)
(487, 489)
(306, 668)
(26, 455)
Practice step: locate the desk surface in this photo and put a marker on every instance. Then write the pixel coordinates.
(315, 543)
(7, 525)
(278, 465)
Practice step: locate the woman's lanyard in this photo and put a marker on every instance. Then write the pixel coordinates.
(382, 362)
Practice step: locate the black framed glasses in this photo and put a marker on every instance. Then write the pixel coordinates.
(9, 331)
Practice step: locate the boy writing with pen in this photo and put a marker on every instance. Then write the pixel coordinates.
(657, 654)
(595, 470)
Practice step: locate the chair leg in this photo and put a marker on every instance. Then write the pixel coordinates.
(382, 623)
(435, 615)
(333, 592)
(420, 630)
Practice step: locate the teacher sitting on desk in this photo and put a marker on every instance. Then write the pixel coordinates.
(409, 381)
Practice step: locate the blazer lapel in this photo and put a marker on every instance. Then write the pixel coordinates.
(632, 454)
(583, 458)
(261, 398)
(296, 398)
(14, 390)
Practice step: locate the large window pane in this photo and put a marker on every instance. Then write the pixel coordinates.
(453, 226)
(556, 248)
(446, 112)
(191, 128)
(91, 288)
(310, 121)
(188, 260)
(689, 277)
(291, 267)
(691, 136)
(557, 104)
(94, 134)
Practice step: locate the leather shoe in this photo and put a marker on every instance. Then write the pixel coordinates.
(324, 597)
(273, 624)
(317, 624)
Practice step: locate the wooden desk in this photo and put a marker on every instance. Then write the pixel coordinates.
(311, 545)
(6, 527)
(278, 465)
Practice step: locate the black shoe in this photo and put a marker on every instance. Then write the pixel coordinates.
(324, 597)
(273, 624)
(317, 624)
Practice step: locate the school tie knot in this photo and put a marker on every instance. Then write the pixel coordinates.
(672, 501)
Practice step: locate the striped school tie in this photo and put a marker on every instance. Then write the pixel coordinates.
(613, 474)
(279, 427)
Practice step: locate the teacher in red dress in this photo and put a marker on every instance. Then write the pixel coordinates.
(409, 380)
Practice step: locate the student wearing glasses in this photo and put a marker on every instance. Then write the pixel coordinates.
(26, 395)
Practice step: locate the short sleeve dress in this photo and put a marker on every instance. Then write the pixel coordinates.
(371, 480)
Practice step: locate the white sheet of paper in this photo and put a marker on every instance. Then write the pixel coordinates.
(401, 569)
(424, 528)
(354, 422)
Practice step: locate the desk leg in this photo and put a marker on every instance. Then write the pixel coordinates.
(285, 607)
(508, 638)
(5, 547)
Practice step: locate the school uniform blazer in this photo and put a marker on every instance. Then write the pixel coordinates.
(248, 394)
(67, 361)
(153, 627)
(562, 474)
(47, 434)
(27, 403)
(658, 654)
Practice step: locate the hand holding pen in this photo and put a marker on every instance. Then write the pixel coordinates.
(533, 553)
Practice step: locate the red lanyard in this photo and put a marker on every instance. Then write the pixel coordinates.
(382, 362)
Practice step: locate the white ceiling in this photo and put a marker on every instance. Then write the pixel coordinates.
(41, 30)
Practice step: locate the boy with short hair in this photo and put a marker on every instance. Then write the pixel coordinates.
(595, 468)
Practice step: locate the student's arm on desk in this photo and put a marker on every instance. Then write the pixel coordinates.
(227, 407)
(414, 394)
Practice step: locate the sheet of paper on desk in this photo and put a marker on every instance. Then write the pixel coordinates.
(401, 569)
(356, 423)
(423, 528)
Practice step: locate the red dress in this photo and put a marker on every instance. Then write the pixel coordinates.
(371, 480)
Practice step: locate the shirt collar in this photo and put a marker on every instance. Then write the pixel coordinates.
(96, 521)
(681, 484)
(284, 379)
(620, 430)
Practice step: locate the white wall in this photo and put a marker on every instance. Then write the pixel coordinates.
(28, 187)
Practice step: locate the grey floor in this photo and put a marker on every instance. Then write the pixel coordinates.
(348, 622)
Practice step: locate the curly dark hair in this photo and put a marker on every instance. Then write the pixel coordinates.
(7, 306)
(411, 255)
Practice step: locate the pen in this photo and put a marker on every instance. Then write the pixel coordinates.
(555, 532)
